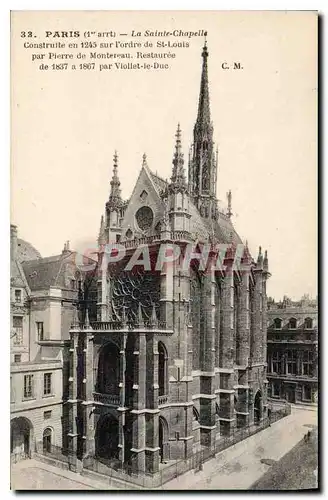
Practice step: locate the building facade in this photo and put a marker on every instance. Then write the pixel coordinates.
(293, 350)
(44, 294)
(177, 357)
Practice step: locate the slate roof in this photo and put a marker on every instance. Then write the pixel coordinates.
(50, 271)
(160, 183)
(26, 251)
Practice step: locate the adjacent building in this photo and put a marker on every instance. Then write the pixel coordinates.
(44, 297)
(177, 357)
(293, 350)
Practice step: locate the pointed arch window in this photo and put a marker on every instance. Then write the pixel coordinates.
(195, 418)
(162, 370)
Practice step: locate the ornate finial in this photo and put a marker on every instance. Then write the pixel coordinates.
(140, 316)
(123, 316)
(266, 261)
(205, 40)
(86, 319)
(144, 160)
(101, 237)
(115, 192)
(260, 258)
(229, 196)
(178, 175)
(154, 321)
(178, 133)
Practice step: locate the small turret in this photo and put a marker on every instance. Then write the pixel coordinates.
(259, 264)
(266, 262)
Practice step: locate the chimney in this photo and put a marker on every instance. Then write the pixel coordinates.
(66, 248)
(13, 242)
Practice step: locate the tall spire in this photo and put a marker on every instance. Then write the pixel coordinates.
(115, 191)
(178, 174)
(204, 115)
(203, 163)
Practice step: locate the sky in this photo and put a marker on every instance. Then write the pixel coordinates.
(66, 126)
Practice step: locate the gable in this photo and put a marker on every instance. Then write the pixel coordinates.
(145, 209)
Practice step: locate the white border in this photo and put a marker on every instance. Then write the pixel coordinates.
(5, 7)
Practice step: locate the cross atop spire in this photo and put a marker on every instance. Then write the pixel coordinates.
(144, 160)
(178, 174)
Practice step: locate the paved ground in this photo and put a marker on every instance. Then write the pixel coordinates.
(298, 469)
(238, 467)
(35, 475)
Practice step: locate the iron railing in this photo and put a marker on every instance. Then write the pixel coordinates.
(171, 470)
(113, 468)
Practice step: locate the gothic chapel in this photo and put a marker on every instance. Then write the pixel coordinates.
(176, 358)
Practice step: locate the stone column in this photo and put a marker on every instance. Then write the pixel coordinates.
(89, 389)
(207, 379)
(139, 404)
(243, 320)
(217, 325)
(264, 320)
(73, 402)
(166, 306)
(152, 412)
(102, 312)
(257, 331)
(122, 408)
(227, 320)
(227, 349)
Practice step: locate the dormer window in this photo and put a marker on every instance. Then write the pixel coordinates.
(277, 324)
(292, 324)
(308, 323)
(18, 296)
